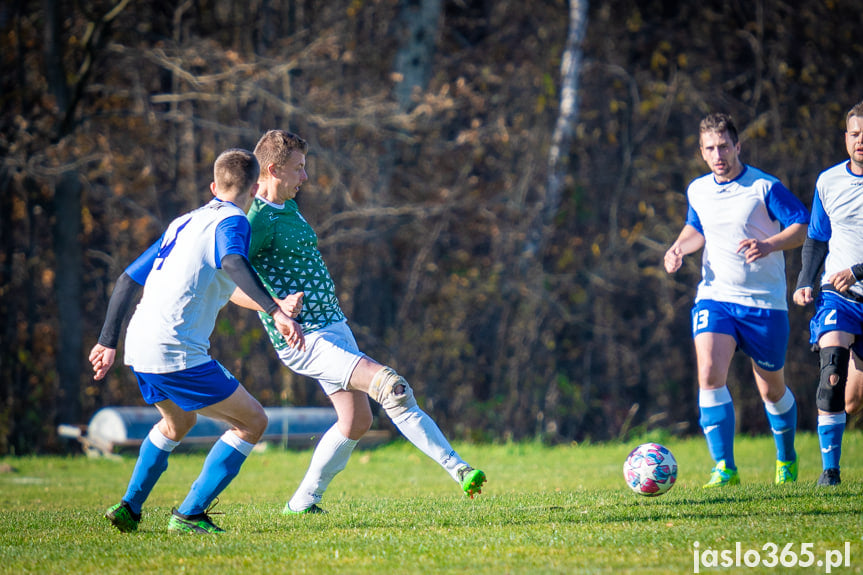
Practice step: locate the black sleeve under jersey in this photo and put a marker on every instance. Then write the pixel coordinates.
(240, 271)
(813, 254)
(125, 293)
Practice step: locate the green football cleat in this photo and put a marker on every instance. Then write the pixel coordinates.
(198, 523)
(471, 480)
(786, 471)
(720, 476)
(122, 517)
(313, 510)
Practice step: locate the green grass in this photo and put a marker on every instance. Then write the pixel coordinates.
(559, 509)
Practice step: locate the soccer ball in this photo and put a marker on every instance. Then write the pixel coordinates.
(650, 469)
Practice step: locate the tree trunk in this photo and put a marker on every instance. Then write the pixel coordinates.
(562, 137)
(67, 249)
(527, 323)
(67, 203)
(413, 63)
(419, 24)
(67, 243)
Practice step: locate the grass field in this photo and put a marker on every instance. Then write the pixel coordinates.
(558, 509)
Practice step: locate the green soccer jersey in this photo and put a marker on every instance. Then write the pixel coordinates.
(284, 252)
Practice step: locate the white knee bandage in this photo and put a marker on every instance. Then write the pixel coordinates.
(385, 390)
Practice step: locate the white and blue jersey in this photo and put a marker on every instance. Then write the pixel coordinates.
(755, 205)
(837, 218)
(184, 288)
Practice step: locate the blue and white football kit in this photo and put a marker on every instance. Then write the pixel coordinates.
(837, 220)
(744, 300)
(167, 342)
(184, 288)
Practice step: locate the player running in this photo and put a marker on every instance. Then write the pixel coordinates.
(188, 276)
(835, 239)
(744, 219)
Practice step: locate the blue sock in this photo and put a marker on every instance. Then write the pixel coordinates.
(717, 422)
(221, 466)
(782, 416)
(152, 462)
(831, 427)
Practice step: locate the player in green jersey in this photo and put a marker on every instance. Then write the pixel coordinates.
(284, 251)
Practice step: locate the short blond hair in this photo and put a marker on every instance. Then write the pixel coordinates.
(276, 146)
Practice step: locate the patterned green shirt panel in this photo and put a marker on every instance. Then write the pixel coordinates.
(284, 252)
(261, 239)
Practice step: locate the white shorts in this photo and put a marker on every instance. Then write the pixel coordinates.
(330, 357)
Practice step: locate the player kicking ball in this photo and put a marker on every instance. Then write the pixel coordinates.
(284, 251)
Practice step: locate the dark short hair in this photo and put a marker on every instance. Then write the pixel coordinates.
(276, 146)
(720, 123)
(236, 169)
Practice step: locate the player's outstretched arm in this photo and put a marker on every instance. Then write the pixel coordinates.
(291, 305)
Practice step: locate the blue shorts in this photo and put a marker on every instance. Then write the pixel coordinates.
(836, 313)
(760, 333)
(191, 389)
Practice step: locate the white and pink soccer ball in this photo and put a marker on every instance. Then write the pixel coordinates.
(650, 469)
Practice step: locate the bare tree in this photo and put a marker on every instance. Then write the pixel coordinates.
(413, 63)
(570, 67)
(67, 196)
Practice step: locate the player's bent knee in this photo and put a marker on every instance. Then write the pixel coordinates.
(355, 426)
(392, 391)
(834, 375)
(254, 426)
(176, 429)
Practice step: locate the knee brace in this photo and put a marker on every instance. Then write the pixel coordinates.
(834, 362)
(385, 389)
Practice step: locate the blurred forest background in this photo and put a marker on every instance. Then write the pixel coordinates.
(495, 240)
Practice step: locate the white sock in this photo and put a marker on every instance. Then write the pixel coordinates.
(158, 439)
(237, 442)
(330, 456)
(421, 430)
(782, 406)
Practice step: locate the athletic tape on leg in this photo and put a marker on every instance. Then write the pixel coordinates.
(385, 389)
